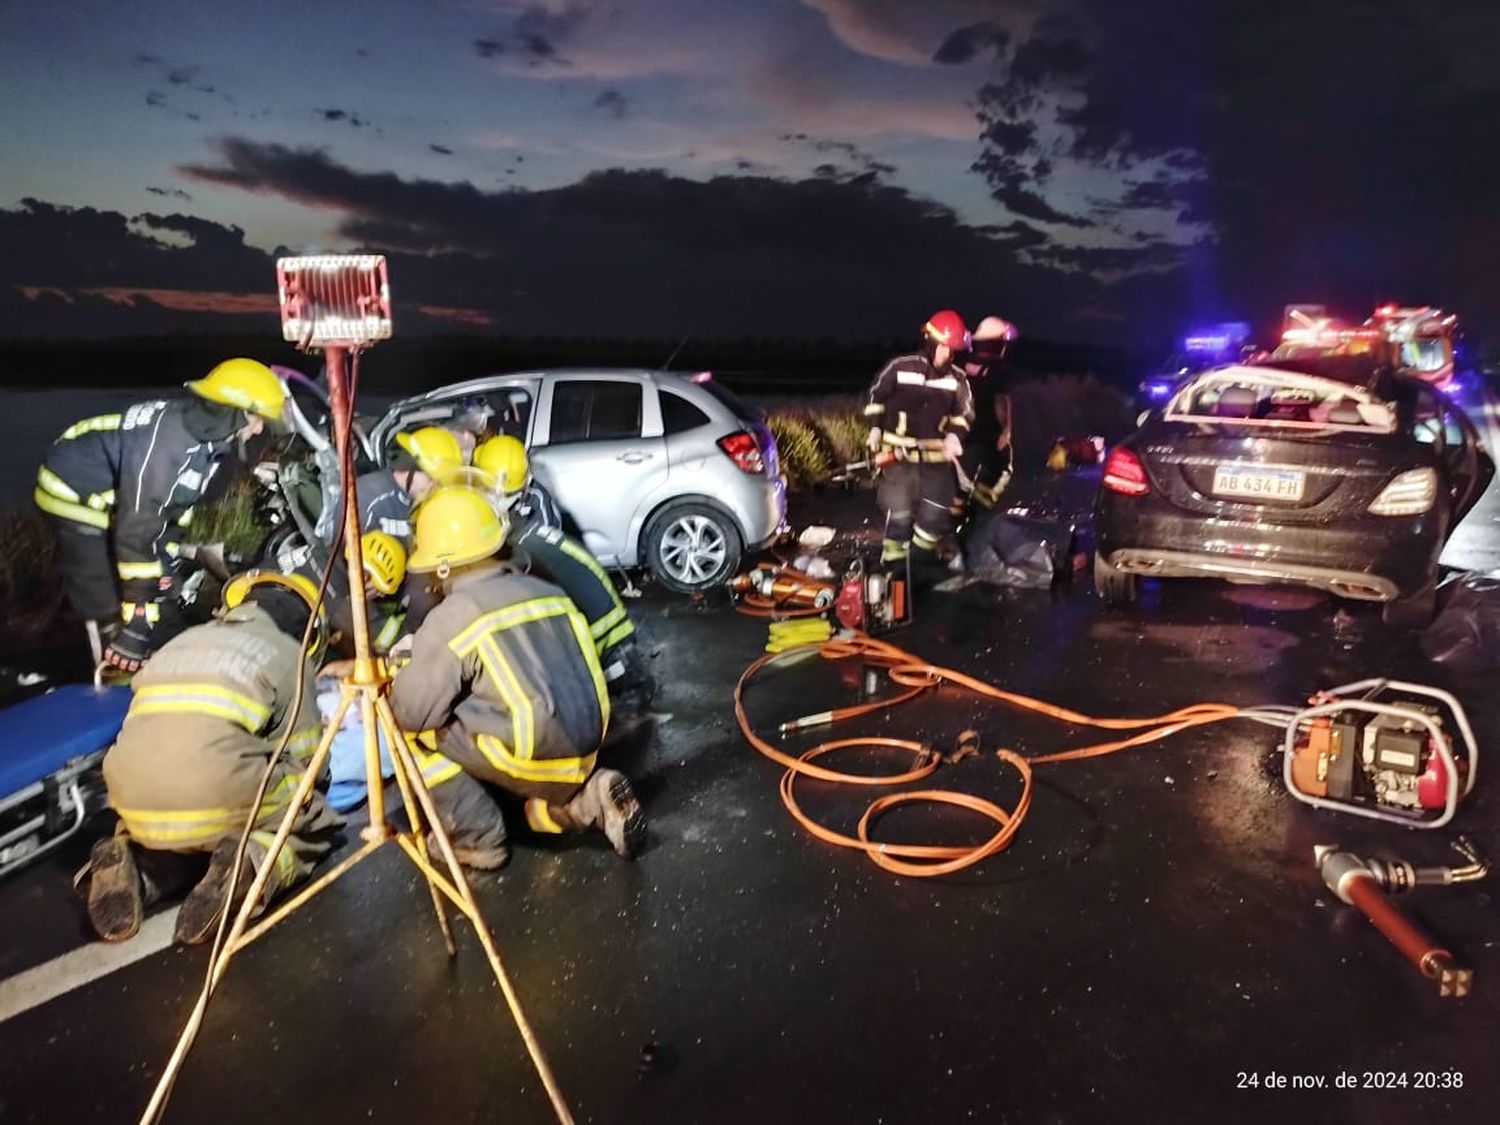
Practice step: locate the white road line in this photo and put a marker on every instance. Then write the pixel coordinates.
(62, 975)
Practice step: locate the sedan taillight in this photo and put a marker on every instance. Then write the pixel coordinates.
(744, 451)
(1410, 494)
(1124, 473)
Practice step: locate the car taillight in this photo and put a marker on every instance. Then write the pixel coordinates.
(1124, 473)
(1410, 494)
(744, 451)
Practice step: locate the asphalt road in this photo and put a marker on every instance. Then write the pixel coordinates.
(1156, 936)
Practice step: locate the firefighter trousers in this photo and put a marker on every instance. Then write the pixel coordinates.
(85, 563)
(471, 813)
(167, 825)
(917, 497)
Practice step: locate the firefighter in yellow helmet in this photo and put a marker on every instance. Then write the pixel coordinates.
(385, 499)
(505, 674)
(120, 490)
(537, 544)
(207, 711)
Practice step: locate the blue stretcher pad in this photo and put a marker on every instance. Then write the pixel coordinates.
(40, 736)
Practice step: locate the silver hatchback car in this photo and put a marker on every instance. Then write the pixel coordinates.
(651, 468)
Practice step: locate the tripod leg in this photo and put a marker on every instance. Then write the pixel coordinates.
(413, 813)
(486, 939)
(224, 952)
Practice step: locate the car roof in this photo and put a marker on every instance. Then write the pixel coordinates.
(482, 383)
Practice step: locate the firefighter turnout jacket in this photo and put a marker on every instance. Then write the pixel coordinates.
(505, 672)
(564, 561)
(384, 505)
(914, 405)
(208, 709)
(142, 471)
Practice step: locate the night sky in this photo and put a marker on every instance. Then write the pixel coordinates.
(1097, 170)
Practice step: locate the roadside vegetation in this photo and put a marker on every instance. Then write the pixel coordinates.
(818, 438)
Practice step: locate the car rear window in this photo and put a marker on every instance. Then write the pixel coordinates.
(1263, 400)
(678, 415)
(737, 406)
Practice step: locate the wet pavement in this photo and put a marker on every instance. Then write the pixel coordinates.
(1155, 940)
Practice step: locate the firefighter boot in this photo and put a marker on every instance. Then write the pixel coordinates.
(116, 899)
(206, 901)
(608, 803)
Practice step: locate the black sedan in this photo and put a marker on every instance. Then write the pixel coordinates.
(1328, 472)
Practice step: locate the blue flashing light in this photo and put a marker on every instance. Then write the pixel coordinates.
(1216, 339)
(1158, 390)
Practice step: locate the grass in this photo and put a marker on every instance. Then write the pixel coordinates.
(818, 438)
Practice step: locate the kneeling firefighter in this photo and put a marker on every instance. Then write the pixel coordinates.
(119, 487)
(539, 546)
(505, 674)
(208, 710)
(919, 410)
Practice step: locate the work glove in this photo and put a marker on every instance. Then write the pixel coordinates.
(872, 440)
(953, 446)
(130, 644)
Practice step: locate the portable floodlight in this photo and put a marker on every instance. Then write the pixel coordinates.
(334, 300)
(340, 304)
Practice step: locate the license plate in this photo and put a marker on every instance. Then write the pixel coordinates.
(1259, 484)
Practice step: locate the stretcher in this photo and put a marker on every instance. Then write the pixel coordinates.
(50, 749)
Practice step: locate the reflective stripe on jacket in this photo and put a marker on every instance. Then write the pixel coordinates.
(567, 563)
(141, 467)
(208, 709)
(506, 673)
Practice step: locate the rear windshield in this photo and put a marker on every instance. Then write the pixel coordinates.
(1357, 370)
(737, 406)
(1303, 404)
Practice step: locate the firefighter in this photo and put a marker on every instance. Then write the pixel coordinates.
(207, 712)
(919, 410)
(504, 674)
(539, 546)
(121, 487)
(988, 461)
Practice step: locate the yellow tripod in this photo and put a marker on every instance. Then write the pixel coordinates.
(368, 687)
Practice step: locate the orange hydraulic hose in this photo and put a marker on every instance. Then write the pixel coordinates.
(918, 676)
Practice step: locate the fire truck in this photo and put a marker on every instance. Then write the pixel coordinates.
(1421, 339)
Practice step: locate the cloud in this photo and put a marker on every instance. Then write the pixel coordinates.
(170, 193)
(346, 116)
(613, 103)
(537, 36)
(648, 253)
(440, 150)
(910, 32)
(968, 43)
(156, 99)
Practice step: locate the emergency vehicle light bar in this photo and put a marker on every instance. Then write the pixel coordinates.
(334, 300)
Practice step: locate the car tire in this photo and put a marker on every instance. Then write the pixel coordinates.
(1115, 587)
(691, 547)
(1412, 611)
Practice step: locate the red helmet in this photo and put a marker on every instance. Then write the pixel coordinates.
(947, 328)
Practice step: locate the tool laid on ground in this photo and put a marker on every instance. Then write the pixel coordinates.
(1361, 749)
(1363, 883)
(864, 600)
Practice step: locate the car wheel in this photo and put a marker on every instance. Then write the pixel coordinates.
(1412, 612)
(1115, 587)
(691, 547)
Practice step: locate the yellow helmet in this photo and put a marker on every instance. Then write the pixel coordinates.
(504, 457)
(385, 561)
(435, 450)
(239, 587)
(455, 526)
(245, 383)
